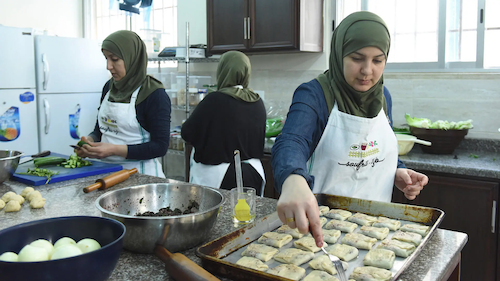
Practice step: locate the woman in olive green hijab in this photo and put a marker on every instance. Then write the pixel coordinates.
(233, 117)
(337, 137)
(133, 124)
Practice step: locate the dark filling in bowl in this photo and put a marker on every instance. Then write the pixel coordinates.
(193, 207)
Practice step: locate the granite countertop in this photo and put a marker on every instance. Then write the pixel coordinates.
(66, 198)
(473, 157)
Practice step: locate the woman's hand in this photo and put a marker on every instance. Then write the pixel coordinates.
(101, 150)
(82, 152)
(410, 182)
(298, 207)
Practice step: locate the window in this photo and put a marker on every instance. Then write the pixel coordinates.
(436, 34)
(158, 21)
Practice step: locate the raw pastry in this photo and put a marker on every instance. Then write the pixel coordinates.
(323, 210)
(322, 221)
(329, 235)
(285, 229)
(376, 232)
(362, 219)
(343, 226)
(2, 204)
(359, 241)
(260, 251)
(37, 203)
(343, 252)
(26, 191)
(401, 249)
(12, 206)
(338, 214)
(289, 271)
(417, 228)
(7, 195)
(380, 258)
(324, 263)
(33, 194)
(253, 263)
(318, 275)
(16, 197)
(387, 222)
(294, 256)
(370, 273)
(275, 239)
(308, 244)
(410, 237)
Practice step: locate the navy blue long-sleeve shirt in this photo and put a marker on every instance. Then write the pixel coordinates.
(153, 114)
(304, 126)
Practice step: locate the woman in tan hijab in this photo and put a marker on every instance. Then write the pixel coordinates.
(233, 117)
(337, 138)
(133, 123)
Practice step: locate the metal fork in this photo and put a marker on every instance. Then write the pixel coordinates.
(338, 265)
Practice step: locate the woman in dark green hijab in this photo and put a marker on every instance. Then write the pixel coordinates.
(337, 137)
(231, 118)
(133, 124)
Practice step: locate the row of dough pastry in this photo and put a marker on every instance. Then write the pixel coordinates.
(376, 261)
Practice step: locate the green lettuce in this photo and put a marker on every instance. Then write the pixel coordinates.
(439, 124)
(417, 122)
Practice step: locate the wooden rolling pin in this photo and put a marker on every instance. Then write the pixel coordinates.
(110, 180)
(181, 268)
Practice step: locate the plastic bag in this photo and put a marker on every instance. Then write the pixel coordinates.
(276, 115)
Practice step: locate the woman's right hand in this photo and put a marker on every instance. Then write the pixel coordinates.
(298, 207)
(82, 151)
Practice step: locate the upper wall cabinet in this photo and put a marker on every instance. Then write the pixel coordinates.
(264, 26)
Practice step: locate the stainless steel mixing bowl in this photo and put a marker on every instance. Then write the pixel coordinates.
(176, 233)
(9, 159)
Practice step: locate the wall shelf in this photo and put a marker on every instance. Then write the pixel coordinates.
(159, 59)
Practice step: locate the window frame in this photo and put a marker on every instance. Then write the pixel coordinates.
(440, 65)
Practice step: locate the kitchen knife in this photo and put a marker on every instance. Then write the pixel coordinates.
(29, 158)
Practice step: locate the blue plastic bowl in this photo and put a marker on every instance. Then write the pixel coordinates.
(96, 265)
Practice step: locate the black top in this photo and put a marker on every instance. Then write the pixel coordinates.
(153, 114)
(221, 124)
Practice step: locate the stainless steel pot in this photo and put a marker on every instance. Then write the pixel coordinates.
(176, 233)
(9, 160)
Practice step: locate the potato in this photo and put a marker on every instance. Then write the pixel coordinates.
(12, 206)
(88, 245)
(26, 191)
(31, 253)
(63, 241)
(66, 251)
(9, 256)
(42, 243)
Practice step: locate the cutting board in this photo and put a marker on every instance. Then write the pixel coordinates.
(64, 173)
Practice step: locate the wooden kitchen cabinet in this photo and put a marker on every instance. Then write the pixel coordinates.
(263, 26)
(469, 205)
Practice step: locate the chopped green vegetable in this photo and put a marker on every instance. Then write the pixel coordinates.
(439, 124)
(404, 131)
(473, 156)
(40, 173)
(81, 143)
(417, 122)
(75, 161)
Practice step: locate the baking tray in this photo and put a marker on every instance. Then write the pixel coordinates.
(220, 255)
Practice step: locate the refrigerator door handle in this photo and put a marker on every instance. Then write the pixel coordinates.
(47, 115)
(45, 71)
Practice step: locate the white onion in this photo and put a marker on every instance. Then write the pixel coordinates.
(42, 243)
(64, 241)
(9, 256)
(65, 251)
(31, 253)
(88, 245)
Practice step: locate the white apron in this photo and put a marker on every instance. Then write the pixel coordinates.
(356, 157)
(212, 175)
(118, 125)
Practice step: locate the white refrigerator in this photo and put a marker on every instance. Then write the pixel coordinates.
(18, 100)
(70, 75)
